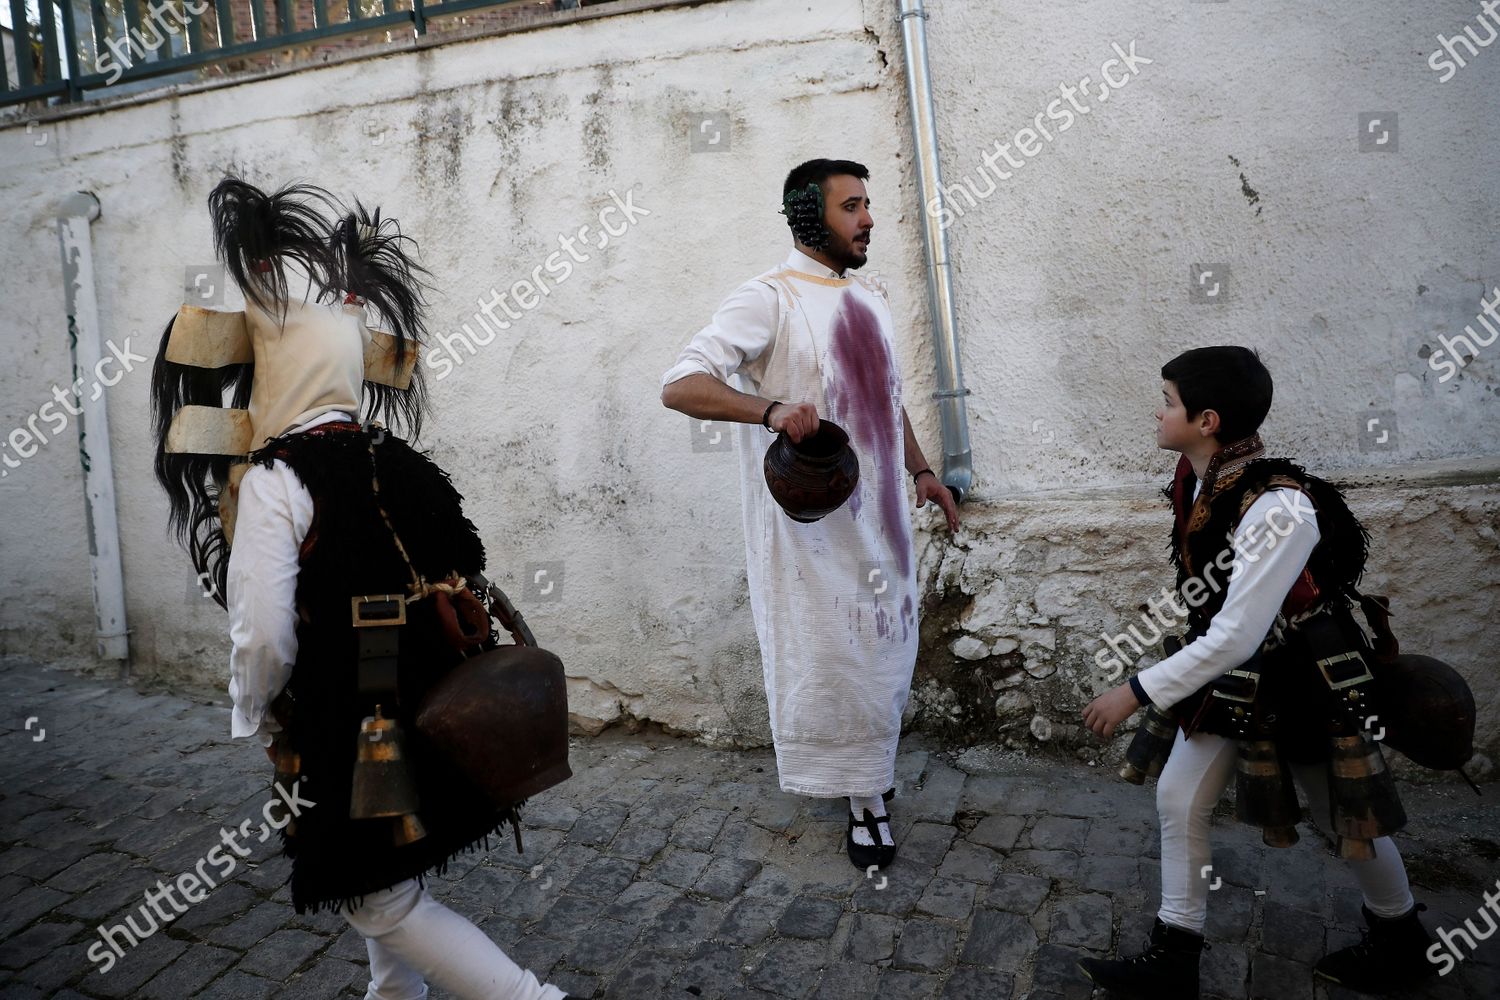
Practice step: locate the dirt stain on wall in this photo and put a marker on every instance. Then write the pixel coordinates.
(1252, 196)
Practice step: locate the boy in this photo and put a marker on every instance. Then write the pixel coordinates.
(1273, 675)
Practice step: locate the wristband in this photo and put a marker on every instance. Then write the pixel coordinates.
(1139, 691)
(765, 418)
(918, 474)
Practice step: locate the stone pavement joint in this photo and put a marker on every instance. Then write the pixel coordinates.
(665, 869)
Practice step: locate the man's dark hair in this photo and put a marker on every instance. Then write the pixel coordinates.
(818, 171)
(802, 198)
(1231, 381)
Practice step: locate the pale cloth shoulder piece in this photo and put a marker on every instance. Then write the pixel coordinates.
(834, 602)
(314, 350)
(309, 364)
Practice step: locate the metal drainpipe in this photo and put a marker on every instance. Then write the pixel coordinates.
(958, 462)
(86, 345)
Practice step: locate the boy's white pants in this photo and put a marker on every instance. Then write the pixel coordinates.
(1195, 776)
(413, 939)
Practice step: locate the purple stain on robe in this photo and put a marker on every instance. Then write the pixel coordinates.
(861, 398)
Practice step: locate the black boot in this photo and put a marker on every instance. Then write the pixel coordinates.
(1391, 955)
(1166, 970)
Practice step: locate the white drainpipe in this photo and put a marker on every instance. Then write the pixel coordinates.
(86, 344)
(958, 463)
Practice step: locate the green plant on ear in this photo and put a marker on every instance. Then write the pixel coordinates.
(803, 208)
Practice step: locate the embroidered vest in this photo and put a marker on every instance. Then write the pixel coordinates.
(1203, 531)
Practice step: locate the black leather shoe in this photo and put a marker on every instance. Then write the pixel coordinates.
(876, 854)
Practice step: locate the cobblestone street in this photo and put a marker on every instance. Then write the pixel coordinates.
(663, 869)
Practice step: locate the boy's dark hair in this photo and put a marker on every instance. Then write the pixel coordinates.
(1231, 381)
(818, 171)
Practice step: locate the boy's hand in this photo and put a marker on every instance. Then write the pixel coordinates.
(1110, 709)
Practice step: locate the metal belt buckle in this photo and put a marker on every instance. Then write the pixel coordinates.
(1248, 675)
(1363, 675)
(373, 610)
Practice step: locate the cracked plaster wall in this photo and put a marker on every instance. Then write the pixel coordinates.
(1072, 281)
(1238, 145)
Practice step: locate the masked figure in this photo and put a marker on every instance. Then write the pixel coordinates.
(344, 559)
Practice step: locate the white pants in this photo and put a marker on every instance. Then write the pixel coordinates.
(1195, 776)
(412, 938)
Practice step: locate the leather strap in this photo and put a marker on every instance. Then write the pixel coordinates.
(871, 822)
(1377, 611)
(378, 653)
(507, 614)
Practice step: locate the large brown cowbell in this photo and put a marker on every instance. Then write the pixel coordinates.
(502, 718)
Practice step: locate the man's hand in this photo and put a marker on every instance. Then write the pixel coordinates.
(797, 421)
(930, 488)
(1110, 709)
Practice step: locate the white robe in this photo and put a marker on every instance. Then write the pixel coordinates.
(835, 602)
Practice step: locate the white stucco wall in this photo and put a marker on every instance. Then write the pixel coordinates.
(1072, 277)
(487, 152)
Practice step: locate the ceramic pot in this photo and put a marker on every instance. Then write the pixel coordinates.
(814, 477)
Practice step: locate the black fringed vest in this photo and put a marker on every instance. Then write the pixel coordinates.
(1333, 569)
(349, 551)
(1336, 563)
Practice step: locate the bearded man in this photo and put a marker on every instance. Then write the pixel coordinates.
(834, 601)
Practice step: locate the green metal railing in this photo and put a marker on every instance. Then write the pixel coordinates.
(65, 50)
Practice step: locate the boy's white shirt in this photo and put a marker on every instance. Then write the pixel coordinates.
(1253, 599)
(275, 513)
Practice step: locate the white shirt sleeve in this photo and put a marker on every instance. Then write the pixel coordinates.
(274, 515)
(1269, 558)
(742, 328)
